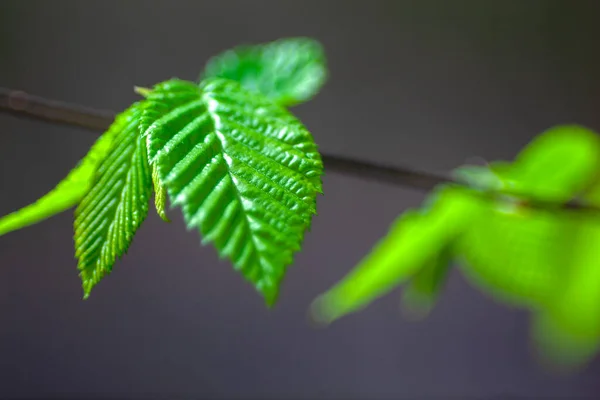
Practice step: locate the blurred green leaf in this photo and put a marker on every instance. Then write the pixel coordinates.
(288, 71)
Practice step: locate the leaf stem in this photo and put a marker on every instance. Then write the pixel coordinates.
(142, 91)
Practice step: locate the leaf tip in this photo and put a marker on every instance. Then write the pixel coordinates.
(270, 292)
(271, 296)
(317, 315)
(270, 303)
(415, 311)
(162, 214)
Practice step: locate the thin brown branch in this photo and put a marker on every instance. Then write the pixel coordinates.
(21, 104)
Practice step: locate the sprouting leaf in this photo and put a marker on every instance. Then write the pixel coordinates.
(160, 193)
(68, 192)
(116, 205)
(556, 165)
(160, 196)
(142, 91)
(245, 172)
(288, 71)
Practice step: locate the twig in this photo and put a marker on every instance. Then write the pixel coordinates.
(21, 104)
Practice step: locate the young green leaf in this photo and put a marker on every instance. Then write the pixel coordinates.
(160, 193)
(288, 71)
(245, 172)
(116, 205)
(68, 192)
(556, 165)
(160, 196)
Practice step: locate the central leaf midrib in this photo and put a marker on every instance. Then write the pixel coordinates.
(264, 264)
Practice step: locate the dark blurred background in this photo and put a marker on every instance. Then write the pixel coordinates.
(420, 83)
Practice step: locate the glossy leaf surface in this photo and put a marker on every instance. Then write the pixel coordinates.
(244, 171)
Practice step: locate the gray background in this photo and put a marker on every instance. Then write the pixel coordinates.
(422, 83)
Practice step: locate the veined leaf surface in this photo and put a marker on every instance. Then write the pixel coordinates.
(244, 171)
(116, 205)
(68, 192)
(288, 71)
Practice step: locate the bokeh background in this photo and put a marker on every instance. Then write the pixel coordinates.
(421, 83)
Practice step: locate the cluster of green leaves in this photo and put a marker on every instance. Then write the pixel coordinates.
(543, 259)
(246, 174)
(244, 171)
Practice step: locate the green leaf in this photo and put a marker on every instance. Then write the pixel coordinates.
(68, 192)
(557, 164)
(160, 193)
(112, 211)
(288, 71)
(417, 240)
(160, 196)
(245, 172)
